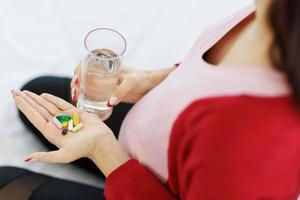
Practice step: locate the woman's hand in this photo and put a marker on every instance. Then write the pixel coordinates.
(133, 84)
(95, 140)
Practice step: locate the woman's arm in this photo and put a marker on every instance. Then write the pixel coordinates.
(95, 141)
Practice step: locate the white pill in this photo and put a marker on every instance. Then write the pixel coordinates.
(56, 122)
(70, 125)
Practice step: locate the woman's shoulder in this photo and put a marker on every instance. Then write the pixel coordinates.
(235, 16)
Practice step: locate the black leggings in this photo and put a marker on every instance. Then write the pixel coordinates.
(38, 186)
(20, 184)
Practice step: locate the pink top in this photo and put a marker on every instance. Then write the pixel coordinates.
(146, 129)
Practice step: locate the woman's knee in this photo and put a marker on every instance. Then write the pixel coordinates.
(48, 84)
(8, 174)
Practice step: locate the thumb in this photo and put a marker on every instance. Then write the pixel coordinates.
(58, 156)
(120, 92)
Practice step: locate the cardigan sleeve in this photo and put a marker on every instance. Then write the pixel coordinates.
(132, 181)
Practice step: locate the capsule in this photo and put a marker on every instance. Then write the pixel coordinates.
(57, 123)
(64, 131)
(76, 118)
(77, 128)
(63, 118)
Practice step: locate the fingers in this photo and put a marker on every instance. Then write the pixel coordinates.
(58, 156)
(126, 85)
(75, 83)
(74, 88)
(30, 112)
(40, 109)
(58, 102)
(50, 107)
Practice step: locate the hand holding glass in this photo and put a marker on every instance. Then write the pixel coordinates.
(100, 69)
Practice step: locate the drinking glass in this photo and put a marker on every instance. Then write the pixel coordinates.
(100, 70)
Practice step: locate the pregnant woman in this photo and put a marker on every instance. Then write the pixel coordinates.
(223, 125)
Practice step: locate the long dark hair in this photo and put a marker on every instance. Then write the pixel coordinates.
(284, 18)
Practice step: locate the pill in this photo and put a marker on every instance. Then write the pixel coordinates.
(76, 119)
(64, 131)
(63, 118)
(77, 128)
(57, 123)
(70, 125)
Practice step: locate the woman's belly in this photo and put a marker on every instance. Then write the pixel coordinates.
(147, 127)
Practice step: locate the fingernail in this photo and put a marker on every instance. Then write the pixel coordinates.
(76, 80)
(113, 101)
(177, 64)
(13, 91)
(109, 105)
(27, 160)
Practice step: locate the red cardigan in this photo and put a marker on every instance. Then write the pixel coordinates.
(225, 148)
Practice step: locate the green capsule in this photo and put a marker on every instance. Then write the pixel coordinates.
(63, 118)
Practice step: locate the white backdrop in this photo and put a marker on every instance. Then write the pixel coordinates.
(46, 37)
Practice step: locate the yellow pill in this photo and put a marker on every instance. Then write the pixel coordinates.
(76, 119)
(77, 128)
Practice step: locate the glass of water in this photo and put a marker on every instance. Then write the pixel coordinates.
(100, 69)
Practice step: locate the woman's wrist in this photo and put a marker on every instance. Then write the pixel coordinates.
(109, 155)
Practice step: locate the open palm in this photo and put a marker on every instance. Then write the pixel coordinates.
(40, 110)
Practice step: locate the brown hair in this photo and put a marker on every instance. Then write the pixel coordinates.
(284, 18)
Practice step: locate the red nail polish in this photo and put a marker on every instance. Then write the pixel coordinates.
(177, 64)
(28, 159)
(76, 81)
(109, 105)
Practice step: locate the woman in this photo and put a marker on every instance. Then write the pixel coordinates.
(223, 125)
